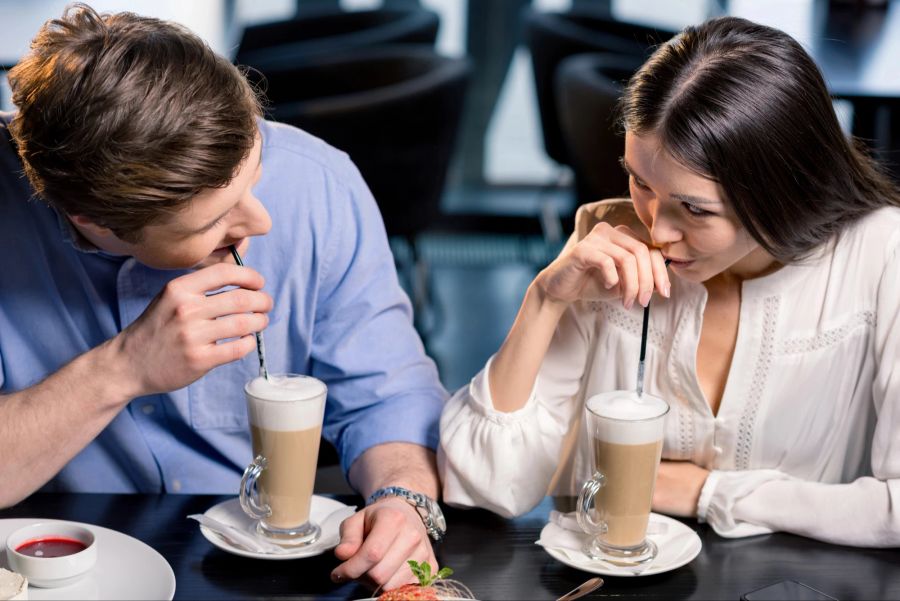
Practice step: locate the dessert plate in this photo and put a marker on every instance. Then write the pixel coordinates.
(126, 567)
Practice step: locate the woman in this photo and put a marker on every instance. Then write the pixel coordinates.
(775, 329)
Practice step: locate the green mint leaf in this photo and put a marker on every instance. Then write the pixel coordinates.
(422, 572)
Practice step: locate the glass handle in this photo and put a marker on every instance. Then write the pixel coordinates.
(249, 494)
(586, 505)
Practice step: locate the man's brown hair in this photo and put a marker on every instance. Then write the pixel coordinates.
(123, 119)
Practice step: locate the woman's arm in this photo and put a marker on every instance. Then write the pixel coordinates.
(501, 435)
(609, 263)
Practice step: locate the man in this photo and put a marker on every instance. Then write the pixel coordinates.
(120, 371)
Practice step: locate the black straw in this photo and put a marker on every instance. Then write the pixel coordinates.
(260, 346)
(644, 328)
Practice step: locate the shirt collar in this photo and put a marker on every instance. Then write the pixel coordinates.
(76, 240)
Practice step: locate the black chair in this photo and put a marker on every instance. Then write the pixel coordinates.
(551, 37)
(588, 88)
(292, 43)
(395, 110)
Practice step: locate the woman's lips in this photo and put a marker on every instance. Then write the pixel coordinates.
(678, 262)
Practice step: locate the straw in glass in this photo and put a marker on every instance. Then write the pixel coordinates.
(260, 346)
(644, 328)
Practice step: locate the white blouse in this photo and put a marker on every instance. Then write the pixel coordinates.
(807, 437)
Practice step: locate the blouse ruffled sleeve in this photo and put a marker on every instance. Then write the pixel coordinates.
(503, 461)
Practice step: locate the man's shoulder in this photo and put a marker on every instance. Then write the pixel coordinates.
(303, 150)
(8, 154)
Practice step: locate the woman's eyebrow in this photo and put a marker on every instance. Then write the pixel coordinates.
(699, 200)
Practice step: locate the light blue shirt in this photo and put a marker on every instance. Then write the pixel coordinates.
(339, 315)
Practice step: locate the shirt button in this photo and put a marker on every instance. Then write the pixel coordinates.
(148, 409)
(717, 450)
(176, 485)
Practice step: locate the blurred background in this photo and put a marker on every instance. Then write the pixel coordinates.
(481, 125)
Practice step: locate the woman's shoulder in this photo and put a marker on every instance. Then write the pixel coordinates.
(615, 211)
(874, 238)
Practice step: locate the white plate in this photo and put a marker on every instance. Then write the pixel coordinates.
(231, 513)
(126, 568)
(678, 545)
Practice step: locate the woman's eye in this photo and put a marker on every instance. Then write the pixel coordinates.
(639, 183)
(695, 210)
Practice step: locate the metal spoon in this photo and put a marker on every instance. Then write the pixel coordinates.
(587, 587)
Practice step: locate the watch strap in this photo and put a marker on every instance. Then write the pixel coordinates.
(417, 500)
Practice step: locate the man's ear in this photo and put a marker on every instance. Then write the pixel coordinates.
(85, 224)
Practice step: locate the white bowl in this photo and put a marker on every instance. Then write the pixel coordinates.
(51, 572)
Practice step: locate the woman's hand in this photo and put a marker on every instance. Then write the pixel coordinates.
(678, 486)
(610, 262)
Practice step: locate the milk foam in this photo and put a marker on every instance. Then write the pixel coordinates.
(285, 403)
(630, 417)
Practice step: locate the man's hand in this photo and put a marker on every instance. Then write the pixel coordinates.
(377, 541)
(177, 338)
(678, 486)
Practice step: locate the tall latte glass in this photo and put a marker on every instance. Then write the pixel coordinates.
(285, 414)
(626, 435)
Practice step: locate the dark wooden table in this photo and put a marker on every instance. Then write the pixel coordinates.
(496, 558)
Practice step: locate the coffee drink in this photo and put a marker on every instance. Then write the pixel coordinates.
(286, 486)
(285, 414)
(626, 435)
(624, 503)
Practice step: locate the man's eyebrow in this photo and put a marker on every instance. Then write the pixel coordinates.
(697, 200)
(214, 221)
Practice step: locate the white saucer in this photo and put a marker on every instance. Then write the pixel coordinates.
(231, 513)
(126, 567)
(678, 545)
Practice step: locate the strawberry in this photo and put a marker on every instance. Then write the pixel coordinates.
(417, 592)
(409, 592)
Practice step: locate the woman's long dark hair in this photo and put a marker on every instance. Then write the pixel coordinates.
(746, 106)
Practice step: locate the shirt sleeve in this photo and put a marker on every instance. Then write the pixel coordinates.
(382, 387)
(503, 461)
(865, 512)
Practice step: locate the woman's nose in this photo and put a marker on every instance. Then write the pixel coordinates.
(662, 230)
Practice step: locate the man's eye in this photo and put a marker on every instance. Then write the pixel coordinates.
(695, 210)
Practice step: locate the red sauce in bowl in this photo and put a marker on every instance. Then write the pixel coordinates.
(51, 546)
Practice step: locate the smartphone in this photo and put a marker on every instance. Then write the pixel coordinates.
(786, 590)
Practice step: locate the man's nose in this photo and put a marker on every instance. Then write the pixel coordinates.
(255, 220)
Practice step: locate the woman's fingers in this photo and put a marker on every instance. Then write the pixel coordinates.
(624, 262)
(592, 257)
(660, 273)
(624, 237)
(627, 267)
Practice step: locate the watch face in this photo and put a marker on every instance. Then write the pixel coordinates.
(440, 522)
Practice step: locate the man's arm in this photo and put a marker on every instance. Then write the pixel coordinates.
(173, 343)
(384, 394)
(44, 426)
(377, 541)
(396, 464)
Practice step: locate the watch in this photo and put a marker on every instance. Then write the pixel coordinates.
(428, 508)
